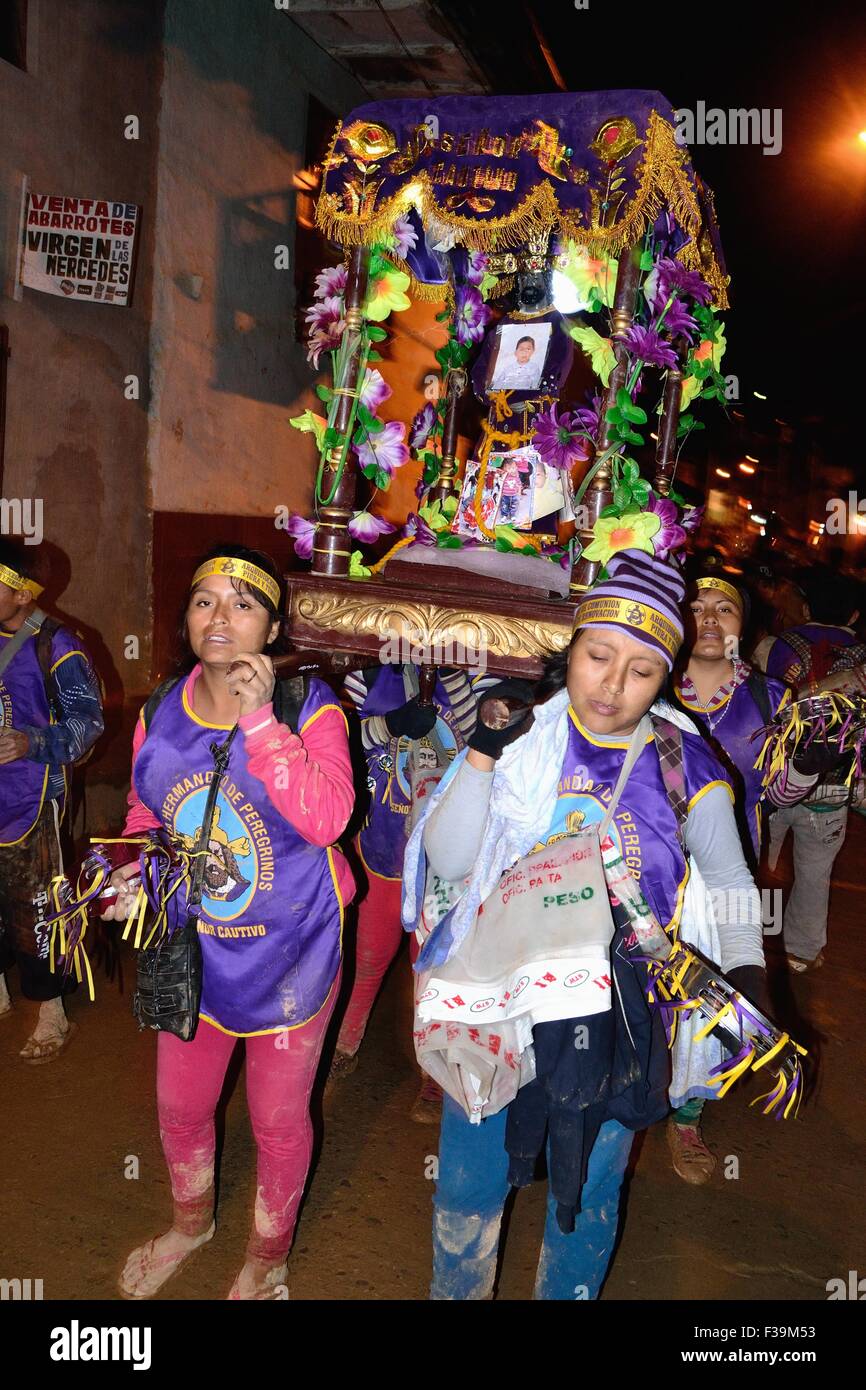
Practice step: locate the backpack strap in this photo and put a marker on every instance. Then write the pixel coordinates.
(669, 745)
(288, 700)
(48, 629)
(757, 684)
(155, 700)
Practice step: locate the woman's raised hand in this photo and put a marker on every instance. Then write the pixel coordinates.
(252, 680)
(120, 908)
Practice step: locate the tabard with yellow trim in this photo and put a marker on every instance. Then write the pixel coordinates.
(24, 703)
(644, 825)
(271, 919)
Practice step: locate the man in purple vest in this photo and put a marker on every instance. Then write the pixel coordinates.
(50, 715)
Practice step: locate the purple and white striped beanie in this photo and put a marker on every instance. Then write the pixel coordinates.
(641, 596)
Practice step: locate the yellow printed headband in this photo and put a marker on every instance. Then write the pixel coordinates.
(724, 587)
(17, 581)
(630, 613)
(239, 569)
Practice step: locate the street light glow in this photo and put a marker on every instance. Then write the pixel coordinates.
(722, 473)
(746, 468)
(760, 395)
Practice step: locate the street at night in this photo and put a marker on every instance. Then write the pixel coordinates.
(432, 676)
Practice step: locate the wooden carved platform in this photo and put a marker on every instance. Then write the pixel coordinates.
(446, 616)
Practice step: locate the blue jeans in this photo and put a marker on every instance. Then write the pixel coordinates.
(470, 1196)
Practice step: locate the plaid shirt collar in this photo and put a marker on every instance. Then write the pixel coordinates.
(689, 695)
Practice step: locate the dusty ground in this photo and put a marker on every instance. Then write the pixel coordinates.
(792, 1219)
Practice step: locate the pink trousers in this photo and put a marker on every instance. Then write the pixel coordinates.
(281, 1069)
(377, 943)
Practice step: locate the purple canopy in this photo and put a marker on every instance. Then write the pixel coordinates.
(489, 173)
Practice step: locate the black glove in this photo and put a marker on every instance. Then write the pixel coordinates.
(411, 720)
(508, 704)
(751, 981)
(819, 757)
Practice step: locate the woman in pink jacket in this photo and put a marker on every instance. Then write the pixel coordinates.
(272, 911)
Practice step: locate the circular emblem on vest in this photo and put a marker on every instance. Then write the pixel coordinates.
(636, 615)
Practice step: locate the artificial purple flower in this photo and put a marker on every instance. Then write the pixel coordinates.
(416, 527)
(374, 389)
(692, 518)
(670, 536)
(679, 322)
(385, 450)
(327, 326)
(302, 533)
(554, 549)
(471, 314)
(331, 281)
(669, 277)
(650, 347)
(476, 266)
(422, 426)
(588, 417)
(367, 528)
(558, 441)
(405, 236)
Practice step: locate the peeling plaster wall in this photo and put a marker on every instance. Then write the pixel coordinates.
(72, 438)
(226, 372)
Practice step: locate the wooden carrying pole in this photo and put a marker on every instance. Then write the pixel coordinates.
(455, 385)
(599, 495)
(331, 547)
(666, 448)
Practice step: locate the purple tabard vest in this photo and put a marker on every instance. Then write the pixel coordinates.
(271, 920)
(734, 722)
(644, 826)
(23, 702)
(383, 838)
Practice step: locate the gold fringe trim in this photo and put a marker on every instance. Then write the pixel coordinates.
(662, 181)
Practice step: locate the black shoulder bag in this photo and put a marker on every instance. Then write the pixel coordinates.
(169, 975)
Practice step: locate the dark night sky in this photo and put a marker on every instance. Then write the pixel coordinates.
(793, 225)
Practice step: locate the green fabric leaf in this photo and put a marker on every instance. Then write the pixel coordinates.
(448, 541)
(646, 260)
(324, 393)
(375, 333)
(635, 413)
(609, 511)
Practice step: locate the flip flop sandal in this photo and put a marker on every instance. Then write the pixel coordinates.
(152, 1263)
(800, 966)
(268, 1294)
(54, 1046)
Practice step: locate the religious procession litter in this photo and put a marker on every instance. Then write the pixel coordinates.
(555, 783)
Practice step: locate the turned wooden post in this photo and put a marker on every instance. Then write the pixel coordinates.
(666, 448)
(455, 384)
(331, 544)
(598, 495)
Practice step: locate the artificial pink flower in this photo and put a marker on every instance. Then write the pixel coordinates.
(405, 236)
(331, 281)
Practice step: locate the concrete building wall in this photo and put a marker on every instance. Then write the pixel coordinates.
(72, 438)
(226, 370)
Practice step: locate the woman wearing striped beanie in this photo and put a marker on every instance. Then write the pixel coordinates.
(560, 776)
